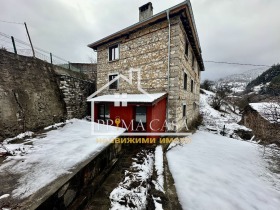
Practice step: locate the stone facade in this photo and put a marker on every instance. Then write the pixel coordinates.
(147, 50)
(265, 131)
(180, 64)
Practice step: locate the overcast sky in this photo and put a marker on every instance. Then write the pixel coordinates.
(243, 31)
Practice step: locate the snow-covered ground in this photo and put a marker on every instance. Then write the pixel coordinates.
(45, 159)
(215, 172)
(159, 168)
(214, 121)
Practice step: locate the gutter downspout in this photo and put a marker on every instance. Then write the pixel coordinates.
(168, 70)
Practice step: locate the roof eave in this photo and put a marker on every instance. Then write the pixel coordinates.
(154, 18)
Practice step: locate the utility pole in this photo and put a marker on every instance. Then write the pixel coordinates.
(33, 52)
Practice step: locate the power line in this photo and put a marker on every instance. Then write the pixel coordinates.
(4, 21)
(240, 64)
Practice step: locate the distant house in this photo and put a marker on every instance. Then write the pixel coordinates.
(165, 48)
(264, 119)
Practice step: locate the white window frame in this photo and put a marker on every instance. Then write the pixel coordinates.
(117, 44)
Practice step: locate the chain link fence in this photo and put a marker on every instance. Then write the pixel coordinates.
(20, 47)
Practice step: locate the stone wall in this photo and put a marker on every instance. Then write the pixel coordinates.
(147, 49)
(263, 130)
(75, 92)
(90, 69)
(30, 97)
(180, 64)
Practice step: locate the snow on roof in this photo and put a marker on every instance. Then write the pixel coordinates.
(142, 98)
(55, 155)
(268, 110)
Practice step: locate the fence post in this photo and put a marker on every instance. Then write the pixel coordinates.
(51, 58)
(33, 51)
(69, 67)
(14, 45)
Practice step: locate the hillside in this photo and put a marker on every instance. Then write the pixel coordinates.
(238, 82)
(267, 83)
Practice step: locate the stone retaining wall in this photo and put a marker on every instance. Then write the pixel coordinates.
(74, 192)
(75, 92)
(35, 94)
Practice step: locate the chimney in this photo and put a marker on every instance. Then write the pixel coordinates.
(145, 11)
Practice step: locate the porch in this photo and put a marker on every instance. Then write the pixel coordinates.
(134, 112)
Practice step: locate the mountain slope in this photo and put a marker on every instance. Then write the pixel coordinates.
(238, 82)
(267, 82)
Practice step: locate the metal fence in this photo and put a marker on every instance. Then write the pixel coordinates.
(20, 47)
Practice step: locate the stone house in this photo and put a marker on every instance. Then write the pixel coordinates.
(165, 48)
(264, 120)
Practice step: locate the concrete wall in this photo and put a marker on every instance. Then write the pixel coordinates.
(147, 49)
(30, 98)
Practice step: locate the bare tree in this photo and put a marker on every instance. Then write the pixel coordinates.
(222, 91)
(207, 85)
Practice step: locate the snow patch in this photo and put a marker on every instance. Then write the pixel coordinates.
(132, 192)
(20, 136)
(4, 196)
(159, 168)
(268, 110)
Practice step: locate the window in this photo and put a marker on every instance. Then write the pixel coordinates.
(185, 81)
(114, 52)
(115, 84)
(103, 112)
(141, 114)
(140, 118)
(192, 86)
(187, 48)
(184, 110)
(193, 60)
(194, 106)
